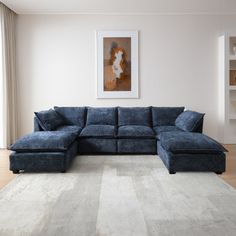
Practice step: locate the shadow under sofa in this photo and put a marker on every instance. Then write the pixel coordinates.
(109, 130)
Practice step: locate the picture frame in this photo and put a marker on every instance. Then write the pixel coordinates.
(117, 64)
(232, 77)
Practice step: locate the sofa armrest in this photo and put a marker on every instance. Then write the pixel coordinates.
(37, 126)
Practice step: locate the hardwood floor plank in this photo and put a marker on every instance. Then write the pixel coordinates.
(5, 174)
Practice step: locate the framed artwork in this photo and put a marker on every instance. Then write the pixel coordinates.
(117, 64)
(232, 77)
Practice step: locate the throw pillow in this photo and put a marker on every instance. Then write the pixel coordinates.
(49, 120)
(189, 120)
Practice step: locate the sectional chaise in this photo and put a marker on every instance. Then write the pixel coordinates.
(64, 132)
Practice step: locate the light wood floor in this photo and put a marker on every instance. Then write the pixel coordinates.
(5, 175)
(229, 176)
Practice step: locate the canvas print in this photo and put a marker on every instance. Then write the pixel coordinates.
(232, 77)
(117, 64)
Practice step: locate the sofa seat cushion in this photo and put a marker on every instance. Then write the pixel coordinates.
(188, 142)
(70, 128)
(103, 131)
(134, 116)
(72, 115)
(136, 146)
(97, 145)
(135, 131)
(159, 129)
(44, 141)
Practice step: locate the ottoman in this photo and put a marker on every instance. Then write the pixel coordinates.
(188, 151)
(43, 151)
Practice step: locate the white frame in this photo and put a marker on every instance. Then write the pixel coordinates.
(134, 93)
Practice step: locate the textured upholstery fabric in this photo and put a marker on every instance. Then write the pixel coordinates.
(44, 141)
(102, 116)
(43, 161)
(134, 116)
(135, 131)
(189, 120)
(104, 131)
(199, 126)
(136, 146)
(160, 129)
(49, 120)
(187, 142)
(97, 145)
(73, 115)
(37, 161)
(192, 162)
(70, 128)
(165, 116)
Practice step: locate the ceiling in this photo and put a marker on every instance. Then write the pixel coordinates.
(122, 6)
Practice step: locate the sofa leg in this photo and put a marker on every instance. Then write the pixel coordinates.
(15, 171)
(172, 172)
(63, 171)
(218, 172)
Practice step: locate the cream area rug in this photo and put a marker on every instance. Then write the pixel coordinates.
(117, 196)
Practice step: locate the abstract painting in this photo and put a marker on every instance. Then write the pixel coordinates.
(117, 64)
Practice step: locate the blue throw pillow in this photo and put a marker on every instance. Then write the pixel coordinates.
(189, 120)
(49, 120)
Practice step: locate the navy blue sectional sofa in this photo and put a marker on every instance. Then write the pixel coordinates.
(117, 130)
(114, 130)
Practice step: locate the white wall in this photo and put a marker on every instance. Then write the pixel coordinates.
(177, 66)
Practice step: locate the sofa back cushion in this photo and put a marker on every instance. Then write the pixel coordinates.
(73, 115)
(49, 119)
(134, 116)
(102, 116)
(165, 116)
(189, 120)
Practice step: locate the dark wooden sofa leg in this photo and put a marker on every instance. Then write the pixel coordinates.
(16, 171)
(63, 171)
(172, 172)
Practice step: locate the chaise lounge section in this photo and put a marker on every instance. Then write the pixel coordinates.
(44, 151)
(187, 151)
